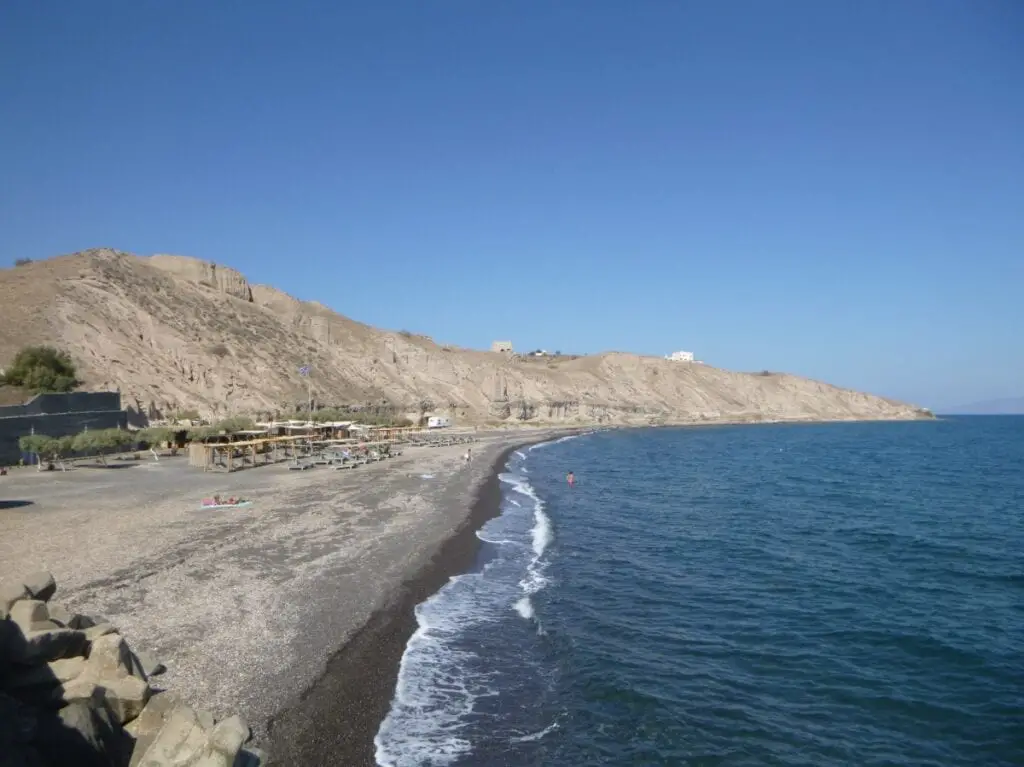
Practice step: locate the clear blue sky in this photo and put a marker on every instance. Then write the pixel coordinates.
(830, 188)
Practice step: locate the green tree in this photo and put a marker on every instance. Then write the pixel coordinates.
(85, 442)
(234, 423)
(117, 439)
(199, 433)
(42, 369)
(34, 443)
(64, 445)
(156, 435)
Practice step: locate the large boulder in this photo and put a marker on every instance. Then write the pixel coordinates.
(61, 615)
(181, 740)
(41, 585)
(109, 657)
(148, 664)
(84, 733)
(97, 630)
(29, 612)
(148, 724)
(188, 737)
(108, 672)
(9, 594)
(49, 674)
(229, 736)
(47, 645)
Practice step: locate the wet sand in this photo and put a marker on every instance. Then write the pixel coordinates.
(336, 720)
(249, 607)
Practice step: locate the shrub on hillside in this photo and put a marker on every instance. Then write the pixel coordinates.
(22, 261)
(42, 369)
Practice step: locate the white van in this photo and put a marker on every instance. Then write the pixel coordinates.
(438, 422)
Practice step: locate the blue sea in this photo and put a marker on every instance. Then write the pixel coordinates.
(842, 594)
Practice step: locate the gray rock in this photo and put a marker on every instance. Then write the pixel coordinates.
(109, 657)
(145, 727)
(126, 696)
(82, 733)
(212, 759)
(100, 629)
(26, 612)
(66, 669)
(46, 625)
(228, 736)
(41, 585)
(55, 672)
(60, 614)
(82, 622)
(180, 741)
(42, 646)
(9, 594)
(148, 664)
(205, 719)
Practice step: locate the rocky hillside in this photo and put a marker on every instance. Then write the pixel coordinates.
(172, 332)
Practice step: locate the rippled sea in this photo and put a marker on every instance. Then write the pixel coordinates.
(847, 594)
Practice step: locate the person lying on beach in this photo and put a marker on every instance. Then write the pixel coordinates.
(216, 501)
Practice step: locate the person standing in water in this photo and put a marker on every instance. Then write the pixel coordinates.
(571, 479)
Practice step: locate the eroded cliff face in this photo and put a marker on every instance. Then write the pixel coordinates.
(174, 332)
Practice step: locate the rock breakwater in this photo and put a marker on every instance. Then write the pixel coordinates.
(72, 692)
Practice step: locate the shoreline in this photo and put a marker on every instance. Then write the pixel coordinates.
(335, 720)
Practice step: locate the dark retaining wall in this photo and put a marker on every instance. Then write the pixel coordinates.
(58, 415)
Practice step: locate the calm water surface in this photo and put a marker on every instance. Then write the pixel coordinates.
(775, 595)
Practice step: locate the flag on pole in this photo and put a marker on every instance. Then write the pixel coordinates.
(304, 370)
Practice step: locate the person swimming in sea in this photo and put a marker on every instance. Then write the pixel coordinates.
(571, 479)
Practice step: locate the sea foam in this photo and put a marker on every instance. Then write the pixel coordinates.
(441, 680)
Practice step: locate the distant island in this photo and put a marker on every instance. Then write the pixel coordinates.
(1009, 406)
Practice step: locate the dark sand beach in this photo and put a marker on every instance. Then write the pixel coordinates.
(293, 612)
(335, 721)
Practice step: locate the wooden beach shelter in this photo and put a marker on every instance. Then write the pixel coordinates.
(224, 454)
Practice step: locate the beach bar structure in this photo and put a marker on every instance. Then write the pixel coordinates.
(289, 440)
(228, 455)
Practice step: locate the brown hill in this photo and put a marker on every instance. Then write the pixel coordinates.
(172, 332)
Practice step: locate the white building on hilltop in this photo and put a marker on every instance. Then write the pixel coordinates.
(680, 356)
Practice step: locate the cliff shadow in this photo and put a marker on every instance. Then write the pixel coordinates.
(15, 504)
